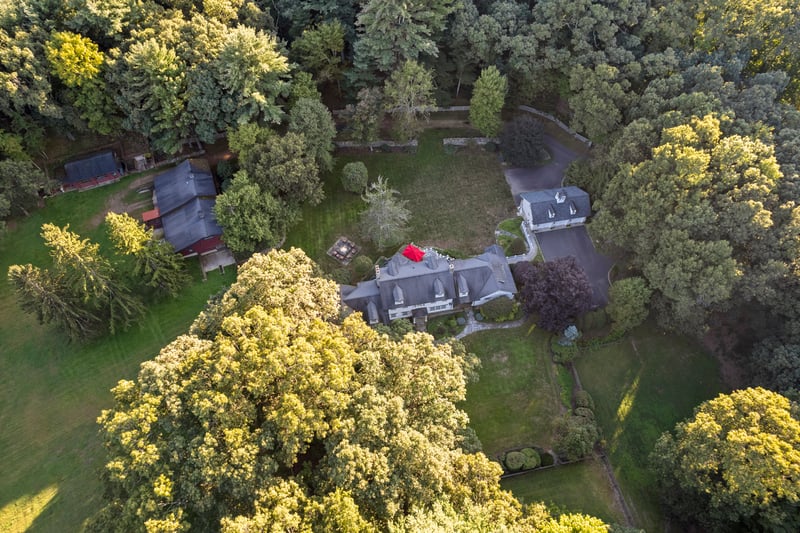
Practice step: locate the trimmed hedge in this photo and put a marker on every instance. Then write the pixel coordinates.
(514, 461)
(363, 265)
(532, 459)
(500, 310)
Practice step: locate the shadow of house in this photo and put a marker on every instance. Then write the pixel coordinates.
(434, 285)
(184, 199)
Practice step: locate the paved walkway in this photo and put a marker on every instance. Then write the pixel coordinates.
(473, 325)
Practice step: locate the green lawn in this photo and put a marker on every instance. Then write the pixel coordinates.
(576, 488)
(513, 405)
(516, 399)
(438, 188)
(641, 387)
(51, 392)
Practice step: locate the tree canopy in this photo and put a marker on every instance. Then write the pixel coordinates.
(557, 291)
(285, 417)
(735, 464)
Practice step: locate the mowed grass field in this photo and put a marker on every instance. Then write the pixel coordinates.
(642, 386)
(513, 405)
(456, 200)
(576, 488)
(51, 391)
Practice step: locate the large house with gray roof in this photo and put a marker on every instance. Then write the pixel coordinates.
(554, 208)
(434, 284)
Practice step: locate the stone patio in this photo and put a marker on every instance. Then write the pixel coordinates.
(344, 250)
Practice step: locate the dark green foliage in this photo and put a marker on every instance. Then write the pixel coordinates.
(574, 437)
(363, 266)
(522, 141)
(593, 320)
(558, 291)
(547, 459)
(500, 309)
(582, 398)
(777, 366)
(514, 461)
(312, 119)
(340, 275)
(584, 412)
(225, 169)
(355, 177)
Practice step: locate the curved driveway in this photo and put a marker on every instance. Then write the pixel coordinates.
(574, 241)
(547, 176)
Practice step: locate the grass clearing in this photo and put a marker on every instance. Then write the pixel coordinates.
(51, 392)
(642, 387)
(575, 488)
(456, 200)
(515, 401)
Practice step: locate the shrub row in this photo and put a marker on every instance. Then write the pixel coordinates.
(500, 310)
(525, 459)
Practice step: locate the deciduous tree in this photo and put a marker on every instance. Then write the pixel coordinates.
(408, 96)
(557, 291)
(734, 464)
(250, 217)
(290, 419)
(627, 302)
(283, 167)
(320, 50)
(313, 120)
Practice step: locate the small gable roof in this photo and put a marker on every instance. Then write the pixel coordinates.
(91, 167)
(181, 184)
(545, 206)
(194, 222)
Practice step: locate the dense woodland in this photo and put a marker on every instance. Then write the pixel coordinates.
(695, 175)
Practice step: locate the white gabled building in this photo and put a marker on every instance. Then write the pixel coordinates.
(554, 208)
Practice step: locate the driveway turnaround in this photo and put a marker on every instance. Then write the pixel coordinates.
(576, 242)
(547, 176)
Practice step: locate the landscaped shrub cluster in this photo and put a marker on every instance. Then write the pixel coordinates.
(577, 433)
(355, 177)
(524, 459)
(500, 310)
(443, 327)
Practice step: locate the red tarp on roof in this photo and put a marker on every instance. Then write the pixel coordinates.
(413, 253)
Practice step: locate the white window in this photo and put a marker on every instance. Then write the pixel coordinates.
(551, 213)
(572, 209)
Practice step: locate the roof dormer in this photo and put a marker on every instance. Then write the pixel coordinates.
(573, 210)
(397, 293)
(438, 288)
(551, 213)
(561, 196)
(463, 288)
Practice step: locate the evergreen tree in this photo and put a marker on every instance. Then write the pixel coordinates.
(487, 101)
(385, 219)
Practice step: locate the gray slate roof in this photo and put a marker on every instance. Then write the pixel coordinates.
(418, 282)
(193, 222)
(91, 167)
(182, 183)
(542, 202)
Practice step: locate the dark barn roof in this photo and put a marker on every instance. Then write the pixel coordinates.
(181, 184)
(91, 167)
(191, 223)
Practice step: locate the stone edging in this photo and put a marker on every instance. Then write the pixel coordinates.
(558, 123)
